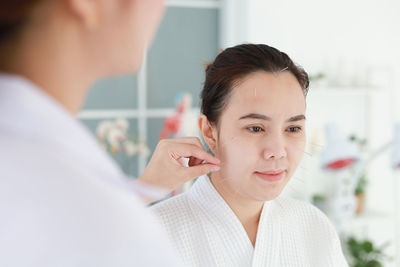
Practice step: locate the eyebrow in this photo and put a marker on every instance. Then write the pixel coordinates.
(266, 118)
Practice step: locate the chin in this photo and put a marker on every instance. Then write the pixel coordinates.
(135, 66)
(269, 197)
(129, 64)
(268, 194)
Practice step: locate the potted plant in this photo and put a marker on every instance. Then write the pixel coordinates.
(363, 253)
(319, 201)
(362, 182)
(318, 79)
(360, 193)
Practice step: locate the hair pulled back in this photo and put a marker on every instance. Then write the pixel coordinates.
(233, 64)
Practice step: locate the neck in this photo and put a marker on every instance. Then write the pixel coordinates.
(247, 210)
(54, 64)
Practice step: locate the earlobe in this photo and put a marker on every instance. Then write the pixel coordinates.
(208, 132)
(87, 11)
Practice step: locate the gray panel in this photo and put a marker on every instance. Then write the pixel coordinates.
(154, 127)
(128, 164)
(113, 93)
(186, 41)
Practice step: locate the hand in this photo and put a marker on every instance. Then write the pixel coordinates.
(166, 168)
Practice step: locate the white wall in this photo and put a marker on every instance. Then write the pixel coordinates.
(354, 42)
(341, 37)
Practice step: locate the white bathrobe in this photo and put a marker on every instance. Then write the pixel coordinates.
(207, 233)
(63, 201)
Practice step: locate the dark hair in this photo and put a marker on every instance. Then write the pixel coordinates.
(13, 15)
(233, 64)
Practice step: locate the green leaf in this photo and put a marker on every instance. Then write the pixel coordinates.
(367, 246)
(374, 263)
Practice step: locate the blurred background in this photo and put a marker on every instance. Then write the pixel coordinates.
(350, 50)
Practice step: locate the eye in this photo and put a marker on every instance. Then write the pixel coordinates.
(294, 129)
(255, 129)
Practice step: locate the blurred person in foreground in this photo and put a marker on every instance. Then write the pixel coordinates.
(63, 201)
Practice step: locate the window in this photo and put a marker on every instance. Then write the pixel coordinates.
(186, 40)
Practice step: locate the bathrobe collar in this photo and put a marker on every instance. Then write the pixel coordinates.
(231, 242)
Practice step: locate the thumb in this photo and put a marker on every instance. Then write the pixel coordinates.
(199, 170)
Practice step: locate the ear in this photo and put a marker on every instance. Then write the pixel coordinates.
(88, 12)
(209, 132)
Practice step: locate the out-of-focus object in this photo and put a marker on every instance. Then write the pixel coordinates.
(396, 147)
(338, 156)
(360, 193)
(174, 125)
(114, 138)
(320, 202)
(319, 80)
(181, 124)
(339, 153)
(365, 252)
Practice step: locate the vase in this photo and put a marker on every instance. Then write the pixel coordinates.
(360, 203)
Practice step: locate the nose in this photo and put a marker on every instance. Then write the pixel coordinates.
(274, 148)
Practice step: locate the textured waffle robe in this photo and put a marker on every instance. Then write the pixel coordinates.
(207, 233)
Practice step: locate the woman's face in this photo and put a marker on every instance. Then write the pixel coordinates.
(261, 135)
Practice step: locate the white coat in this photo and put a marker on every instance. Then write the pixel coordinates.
(63, 201)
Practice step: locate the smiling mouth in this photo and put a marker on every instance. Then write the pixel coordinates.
(271, 176)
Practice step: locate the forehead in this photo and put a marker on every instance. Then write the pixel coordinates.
(268, 93)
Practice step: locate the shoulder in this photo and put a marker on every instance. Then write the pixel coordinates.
(179, 217)
(305, 227)
(306, 215)
(298, 208)
(172, 209)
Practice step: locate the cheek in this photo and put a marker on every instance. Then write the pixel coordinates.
(237, 157)
(295, 153)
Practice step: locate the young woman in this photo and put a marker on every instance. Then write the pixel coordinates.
(253, 120)
(63, 201)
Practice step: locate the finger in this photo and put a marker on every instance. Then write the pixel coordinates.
(183, 162)
(188, 140)
(199, 170)
(187, 151)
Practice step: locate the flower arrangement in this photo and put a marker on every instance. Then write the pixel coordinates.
(114, 138)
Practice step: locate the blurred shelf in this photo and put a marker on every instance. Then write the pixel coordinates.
(373, 216)
(353, 90)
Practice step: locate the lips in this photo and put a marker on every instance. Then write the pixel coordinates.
(271, 175)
